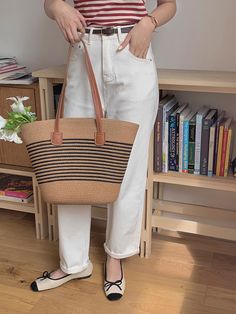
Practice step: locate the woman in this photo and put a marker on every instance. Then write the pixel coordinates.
(118, 36)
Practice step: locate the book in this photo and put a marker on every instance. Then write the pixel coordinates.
(167, 139)
(227, 155)
(24, 80)
(191, 149)
(202, 112)
(20, 71)
(5, 61)
(186, 141)
(172, 141)
(220, 140)
(157, 162)
(224, 145)
(211, 149)
(182, 116)
(168, 107)
(207, 122)
(15, 186)
(173, 158)
(218, 121)
(17, 199)
(8, 67)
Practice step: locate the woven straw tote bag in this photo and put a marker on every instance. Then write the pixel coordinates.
(79, 160)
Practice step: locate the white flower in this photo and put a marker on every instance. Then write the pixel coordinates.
(2, 122)
(18, 98)
(18, 106)
(10, 135)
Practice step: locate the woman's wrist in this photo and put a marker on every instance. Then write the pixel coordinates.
(51, 7)
(148, 23)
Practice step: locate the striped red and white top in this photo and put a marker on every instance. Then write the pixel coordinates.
(111, 12)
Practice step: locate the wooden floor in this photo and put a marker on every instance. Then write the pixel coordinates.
(186, 274)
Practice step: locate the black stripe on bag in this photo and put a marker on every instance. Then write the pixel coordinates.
(81, 146)
(114, 163)
(78, 154)
(91, 174)
(81, 165)
(87, 168)
(76, 141)
(49, 163)
(93, 163)
(79, 178)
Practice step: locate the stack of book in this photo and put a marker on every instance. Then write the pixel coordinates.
(192, 141)
(16, 188)
(13, 73)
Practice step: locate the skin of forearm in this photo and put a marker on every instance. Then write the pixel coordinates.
(164, 12)
(49, 6)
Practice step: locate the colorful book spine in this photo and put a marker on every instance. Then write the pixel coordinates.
(211, 150)
(200, 115)
(223, 153)
(20, 194)
(217, 132)
(221, 130)
(226, 167)
(191, 152)
(158, 141)
(181, 125)
(185, 146)
(206, 124)
(172, 143)
(183, 114)
(177, 140)
(166, 136)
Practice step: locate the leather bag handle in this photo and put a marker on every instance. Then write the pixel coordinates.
(57, 135)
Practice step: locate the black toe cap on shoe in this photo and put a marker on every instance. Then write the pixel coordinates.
(114, 296)
(34, 286)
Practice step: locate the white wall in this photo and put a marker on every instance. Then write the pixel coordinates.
(201, 36)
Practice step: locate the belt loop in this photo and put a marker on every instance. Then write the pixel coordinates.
(89, 36)
(119, 33)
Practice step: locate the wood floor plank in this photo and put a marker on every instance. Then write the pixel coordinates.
(196, 241)
(223, 299)
(185, 274)
(15, 300)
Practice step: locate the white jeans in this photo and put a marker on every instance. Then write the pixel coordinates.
(128, 88)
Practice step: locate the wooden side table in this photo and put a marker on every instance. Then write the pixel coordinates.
(14, 158)
(37, 207)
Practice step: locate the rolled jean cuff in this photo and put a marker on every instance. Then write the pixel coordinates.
(74, 269)
(119, 255)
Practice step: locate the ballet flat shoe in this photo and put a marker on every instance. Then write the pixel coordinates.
(114, 290)
(45, 282)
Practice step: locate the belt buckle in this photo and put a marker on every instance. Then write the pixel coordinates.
(108, 31)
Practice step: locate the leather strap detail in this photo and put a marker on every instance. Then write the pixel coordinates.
(56, 139)
(99, 138)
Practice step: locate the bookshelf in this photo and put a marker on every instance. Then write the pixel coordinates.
(155, 207)
(14, 158)
(176, 216)
(36, 207)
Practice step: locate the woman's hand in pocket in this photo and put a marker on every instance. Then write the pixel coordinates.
(139, 38)
(69, 20)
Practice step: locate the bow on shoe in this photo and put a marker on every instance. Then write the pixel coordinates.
(117, 283)
(45, 275)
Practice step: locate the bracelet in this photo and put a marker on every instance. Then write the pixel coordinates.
(154, 20)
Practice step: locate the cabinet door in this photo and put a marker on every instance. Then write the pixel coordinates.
(12, 153)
